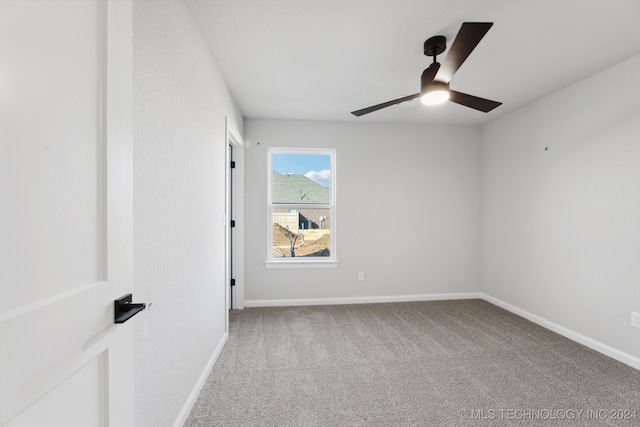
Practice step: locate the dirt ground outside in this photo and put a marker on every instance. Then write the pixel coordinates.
(281, 244)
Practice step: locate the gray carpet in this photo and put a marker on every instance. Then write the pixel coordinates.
(437, 363)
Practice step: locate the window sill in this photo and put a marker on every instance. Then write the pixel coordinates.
(298, 264)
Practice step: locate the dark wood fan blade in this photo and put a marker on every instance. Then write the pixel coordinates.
(467, 39)
(480, 104)
(384, 105)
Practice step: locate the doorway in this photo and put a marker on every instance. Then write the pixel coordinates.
(234, 223)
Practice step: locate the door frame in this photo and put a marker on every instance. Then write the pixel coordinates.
(234, 203)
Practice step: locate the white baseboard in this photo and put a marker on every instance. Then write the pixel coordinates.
(618, 355)
(361, 300)
(186, 409)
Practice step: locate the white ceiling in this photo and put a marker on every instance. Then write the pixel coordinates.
(321, 59)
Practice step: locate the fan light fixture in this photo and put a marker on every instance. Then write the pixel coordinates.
(435, 97)
(434, 93)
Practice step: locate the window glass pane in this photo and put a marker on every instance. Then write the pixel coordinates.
(301, 232)
(300, 178)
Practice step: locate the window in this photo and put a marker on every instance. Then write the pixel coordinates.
(302, 212)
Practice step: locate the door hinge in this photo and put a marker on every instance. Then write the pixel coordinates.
(233, 164)
(233, 282)
(233, 223)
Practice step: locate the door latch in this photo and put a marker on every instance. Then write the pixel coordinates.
(125, 309)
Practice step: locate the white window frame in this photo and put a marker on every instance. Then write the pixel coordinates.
(302, 262)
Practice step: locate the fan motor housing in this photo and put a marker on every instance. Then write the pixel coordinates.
(426, 80)
(433, 86)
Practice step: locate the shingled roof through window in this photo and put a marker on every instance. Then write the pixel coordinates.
(293, 188)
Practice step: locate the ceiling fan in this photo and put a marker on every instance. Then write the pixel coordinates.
(435, 79)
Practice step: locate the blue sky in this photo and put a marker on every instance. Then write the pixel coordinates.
(314, 166)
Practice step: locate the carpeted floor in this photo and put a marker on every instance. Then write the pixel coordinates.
(436, 363)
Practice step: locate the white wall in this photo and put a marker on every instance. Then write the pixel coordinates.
(561, 228)
(180, 103)
(420, 182)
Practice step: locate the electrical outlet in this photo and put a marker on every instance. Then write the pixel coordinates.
(361, 277)
(635, 319)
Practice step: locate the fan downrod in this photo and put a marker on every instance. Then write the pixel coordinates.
(435, 45)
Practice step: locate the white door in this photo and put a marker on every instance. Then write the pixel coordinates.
(65, 212)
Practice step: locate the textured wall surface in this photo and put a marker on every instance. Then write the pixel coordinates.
(180, 104)
(561, 207)
(429, 175)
